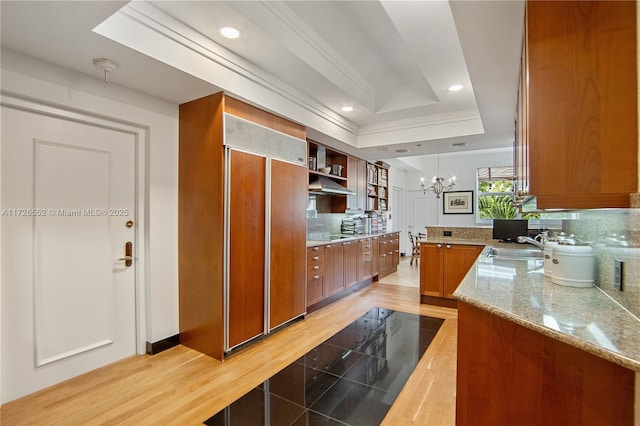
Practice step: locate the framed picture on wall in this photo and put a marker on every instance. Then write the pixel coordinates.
(458, 202)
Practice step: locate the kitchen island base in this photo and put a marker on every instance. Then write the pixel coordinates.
(508, 374)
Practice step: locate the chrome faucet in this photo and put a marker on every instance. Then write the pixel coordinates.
(539, 241)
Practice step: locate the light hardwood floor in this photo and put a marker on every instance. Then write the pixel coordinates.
(182, 387)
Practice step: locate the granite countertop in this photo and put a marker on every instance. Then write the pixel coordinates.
(586, 318)
(344, 237)
(449, 240)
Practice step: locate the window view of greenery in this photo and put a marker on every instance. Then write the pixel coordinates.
(495, 195)
(495, 200)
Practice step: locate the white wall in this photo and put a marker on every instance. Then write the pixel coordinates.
(71, 90)
(397, 179)
(423, 210)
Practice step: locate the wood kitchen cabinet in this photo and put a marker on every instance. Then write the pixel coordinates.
(315, 274)
(288, 237)
(341, 266)
(508, 374)
(442, 268)
(357, 182)
(212, 266)
(246, 247)
(334, 269)
(325, 156)
(389, 254)
(351, 260)
(577, 136)
(364, 264)
(375, 255)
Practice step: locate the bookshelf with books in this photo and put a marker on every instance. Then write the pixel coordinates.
(377, 186)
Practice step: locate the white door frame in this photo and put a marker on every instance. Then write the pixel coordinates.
(141, 134)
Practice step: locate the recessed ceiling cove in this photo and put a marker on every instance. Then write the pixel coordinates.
(392, 60)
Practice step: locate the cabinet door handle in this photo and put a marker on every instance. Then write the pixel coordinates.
(316, 267)
(316, 277)
(316, 248)
(316, 258)
(439, 245)
(448, 246)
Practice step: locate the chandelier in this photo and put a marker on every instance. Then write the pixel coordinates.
(437, 183)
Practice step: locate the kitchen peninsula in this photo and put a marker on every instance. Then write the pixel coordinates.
(531, 349)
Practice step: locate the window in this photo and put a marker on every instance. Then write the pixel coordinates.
(495, 193)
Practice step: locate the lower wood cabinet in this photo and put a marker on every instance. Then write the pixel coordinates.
(315, 274)
(510, 375)
(443, 266)
(389, 254)
(364, 263)
(335, 267)
(351, 257)
(375, 256)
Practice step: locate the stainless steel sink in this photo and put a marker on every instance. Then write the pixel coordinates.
(516, 253)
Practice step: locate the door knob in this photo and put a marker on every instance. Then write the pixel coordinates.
(128, 254)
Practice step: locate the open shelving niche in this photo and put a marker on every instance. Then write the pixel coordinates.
(325, 156)
(377, 186)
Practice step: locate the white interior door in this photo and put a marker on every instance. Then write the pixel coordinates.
(68, 302)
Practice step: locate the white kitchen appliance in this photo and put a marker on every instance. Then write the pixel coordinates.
(573, 264)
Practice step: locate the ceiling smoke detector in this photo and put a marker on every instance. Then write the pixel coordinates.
(106, 65)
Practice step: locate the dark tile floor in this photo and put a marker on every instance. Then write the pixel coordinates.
(352, 378)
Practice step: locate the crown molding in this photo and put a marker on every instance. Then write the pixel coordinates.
(427, 127)
(146, 28)
(287, 28)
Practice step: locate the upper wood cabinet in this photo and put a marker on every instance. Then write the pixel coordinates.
(578, 144)
(357, 182)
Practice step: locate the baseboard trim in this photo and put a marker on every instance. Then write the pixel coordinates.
(162, 345)
(439, 301)
(337, 296)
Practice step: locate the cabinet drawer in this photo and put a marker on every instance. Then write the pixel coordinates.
(315, 259)
(315, 270)
(315, 251)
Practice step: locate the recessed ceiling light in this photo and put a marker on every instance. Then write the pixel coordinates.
(455, 87)
(460, 144)
(401, 151)
(230, 32)
(347, 108)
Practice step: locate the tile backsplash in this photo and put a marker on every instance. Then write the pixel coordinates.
(460, 233)
(614, 234)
